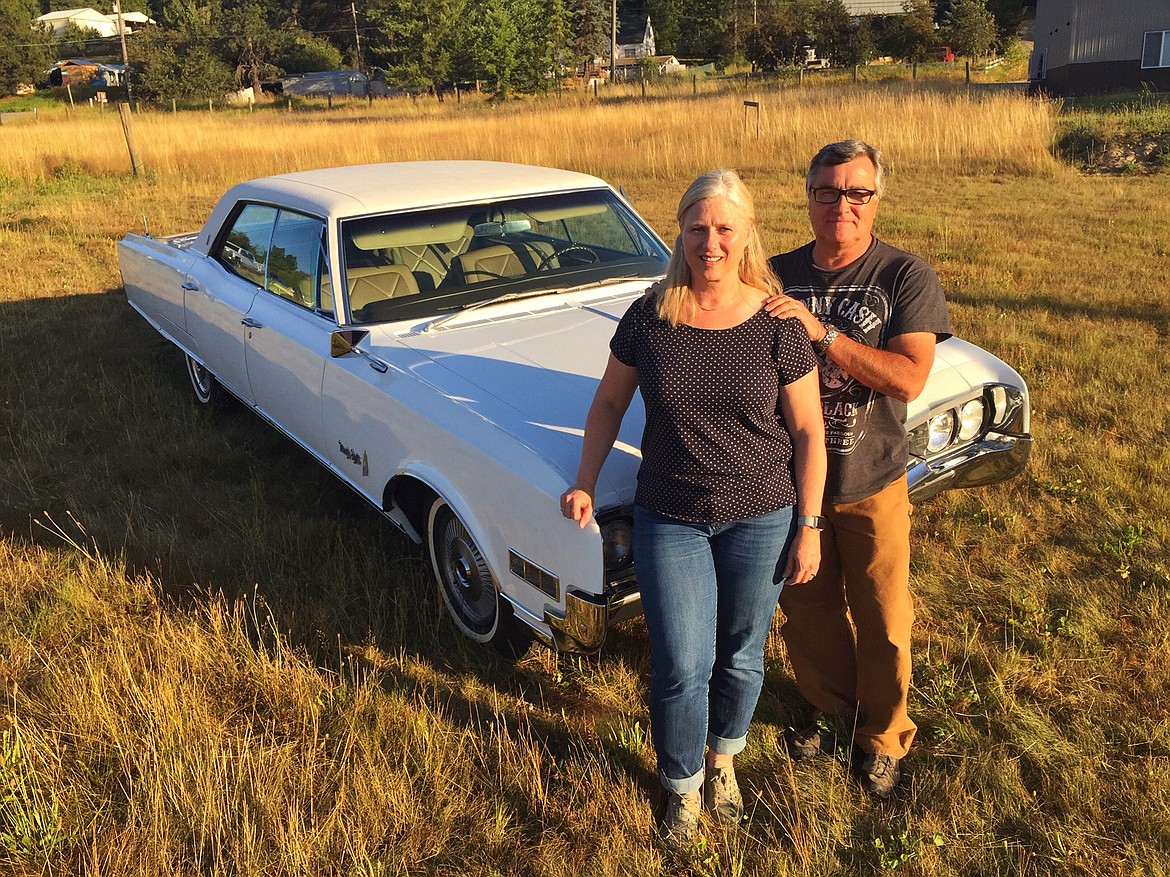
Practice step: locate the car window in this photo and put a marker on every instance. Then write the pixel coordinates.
(244, 250)
(294, 259)
(431, 262)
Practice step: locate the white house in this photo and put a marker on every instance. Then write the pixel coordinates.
(105, 25)
(87, 17)
(630, 46)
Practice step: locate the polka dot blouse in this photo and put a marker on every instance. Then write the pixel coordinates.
(715, 447)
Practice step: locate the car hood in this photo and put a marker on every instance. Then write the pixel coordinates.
(531, 369)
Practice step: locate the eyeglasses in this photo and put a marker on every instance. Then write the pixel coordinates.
(831, 195)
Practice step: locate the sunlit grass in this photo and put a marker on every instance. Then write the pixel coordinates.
(218, 661)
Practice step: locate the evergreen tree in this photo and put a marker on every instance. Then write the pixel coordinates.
(706, 30)
(24, 51)
(589, 25)
(497, 38)
(1009, 15)
(420, 43)
(666, 16)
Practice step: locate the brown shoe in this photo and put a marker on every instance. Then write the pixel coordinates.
(805, 744)
(879, 775)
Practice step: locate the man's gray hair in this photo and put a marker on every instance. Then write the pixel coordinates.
(847, 150)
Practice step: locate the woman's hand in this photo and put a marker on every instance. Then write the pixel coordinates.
(804, 556)
(783, 306)
(577, 505)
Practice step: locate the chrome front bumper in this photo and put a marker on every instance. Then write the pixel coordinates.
(996, 457)
(588, 617)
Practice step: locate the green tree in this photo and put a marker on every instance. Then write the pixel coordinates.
(24, 51)
(250, 43)
(178, 64)
(971, 28)
(298, 51)
(706, 30)
(666, 16)
(912, 35)
(421, 43)
(778, 38)
(75, 41)
(544, 34)
(833, 31)
(1009, 15)
(589, 24)
(497, 47)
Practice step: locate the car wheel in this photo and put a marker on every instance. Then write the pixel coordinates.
(467, 587)
(206, 387)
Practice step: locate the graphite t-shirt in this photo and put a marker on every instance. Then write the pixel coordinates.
(885, 293)
(715, 447)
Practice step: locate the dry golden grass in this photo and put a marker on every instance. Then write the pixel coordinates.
(79, 168)
(235, 668)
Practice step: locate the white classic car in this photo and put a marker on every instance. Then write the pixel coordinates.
(433, 333)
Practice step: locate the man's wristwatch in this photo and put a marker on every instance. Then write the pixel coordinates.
(814, 521)
(831, 334)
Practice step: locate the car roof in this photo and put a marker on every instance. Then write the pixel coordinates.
(376, 188)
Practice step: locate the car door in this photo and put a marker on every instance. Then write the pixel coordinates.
(220, 291)
(289, 328)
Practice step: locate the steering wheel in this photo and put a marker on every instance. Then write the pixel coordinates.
(579, 248)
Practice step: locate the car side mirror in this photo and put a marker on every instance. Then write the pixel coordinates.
(345, 340)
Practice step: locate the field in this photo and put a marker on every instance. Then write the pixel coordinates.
(216, 661)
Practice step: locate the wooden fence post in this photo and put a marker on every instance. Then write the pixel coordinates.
(756, 105)
(124, 114)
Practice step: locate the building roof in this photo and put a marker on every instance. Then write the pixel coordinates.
(874, 7)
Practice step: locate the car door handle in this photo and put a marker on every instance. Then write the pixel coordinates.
(251, 324)
(190, 284)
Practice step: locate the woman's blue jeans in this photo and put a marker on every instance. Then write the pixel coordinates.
(709, 592)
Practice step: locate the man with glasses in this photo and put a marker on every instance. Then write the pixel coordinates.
(874, 314)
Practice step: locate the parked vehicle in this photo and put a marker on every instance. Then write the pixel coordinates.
(942, 53)
(812, 62)
(433, 333)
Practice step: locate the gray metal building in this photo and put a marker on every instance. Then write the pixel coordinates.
(1084, 46)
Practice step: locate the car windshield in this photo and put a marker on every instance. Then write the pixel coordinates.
(433, 262)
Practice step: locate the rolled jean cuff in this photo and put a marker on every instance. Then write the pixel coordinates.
(690, 784)
(724, 746)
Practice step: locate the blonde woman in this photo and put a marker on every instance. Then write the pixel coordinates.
(729, 490)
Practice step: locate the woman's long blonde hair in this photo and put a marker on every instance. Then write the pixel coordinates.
(675, 302)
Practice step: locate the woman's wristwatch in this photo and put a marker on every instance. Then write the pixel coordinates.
(814, 521)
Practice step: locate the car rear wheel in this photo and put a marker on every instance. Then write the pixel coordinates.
(206, 387)
(466, 585)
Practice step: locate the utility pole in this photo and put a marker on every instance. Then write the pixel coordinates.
(125, 58)
(357, 37)
(613, 44)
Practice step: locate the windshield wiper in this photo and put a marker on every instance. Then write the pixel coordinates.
(515, 296)
(494, 300)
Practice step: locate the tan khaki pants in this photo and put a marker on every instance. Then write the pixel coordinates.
(862, 668)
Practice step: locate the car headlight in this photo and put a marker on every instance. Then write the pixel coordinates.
(617, 544)
(999, 401)
(940, 428)
(970, 419)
